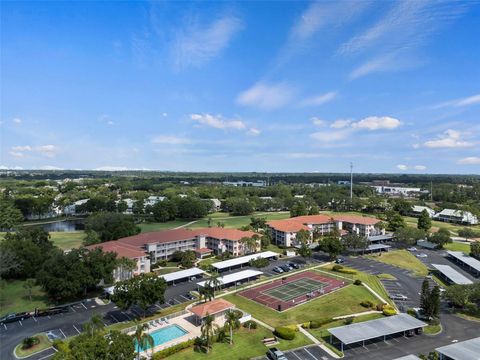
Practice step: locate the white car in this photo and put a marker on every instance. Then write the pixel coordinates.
(398, 297)
(422, 255)
(413, 248)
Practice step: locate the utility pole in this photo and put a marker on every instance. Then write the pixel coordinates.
(351, 183)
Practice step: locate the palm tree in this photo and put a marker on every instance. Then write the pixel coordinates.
(125, 266)
(94, 325)
(249, 244)
(231, 323)
(143, 339)
(208, 329)
(214, 283)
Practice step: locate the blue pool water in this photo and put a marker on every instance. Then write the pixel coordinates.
(165, 334)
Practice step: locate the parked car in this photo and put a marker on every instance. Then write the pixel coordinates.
(339, 261)
(398, 297)
(15, 317)
(275, 354)
(293, 265)
(285, 268)
(413, 248)
(277, 269)
(421, 255)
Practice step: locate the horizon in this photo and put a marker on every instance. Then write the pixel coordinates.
(269, 87)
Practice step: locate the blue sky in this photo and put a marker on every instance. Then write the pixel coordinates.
(241, 86)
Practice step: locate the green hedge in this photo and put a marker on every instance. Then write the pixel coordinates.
(367, 304)
(357, 282)
(173, 349)
(285, 333)
(389, 310)
(250, 324)
(317, 323)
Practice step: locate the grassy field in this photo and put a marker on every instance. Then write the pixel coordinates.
(153, 226)
(458, 246)
(403, 259)
(42, 345)
(237, 221)
(371, 280)
(247, 344)
(342, 302)
(18, 300)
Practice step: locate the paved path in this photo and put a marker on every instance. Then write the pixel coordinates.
(357, 314)
(185, 225)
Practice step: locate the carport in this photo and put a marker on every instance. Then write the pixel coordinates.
(408, 357)
(452, 275)
(465, 350)
(240, 261)
(234, 278)
(182, 275)
(373, 329)
(465, 260)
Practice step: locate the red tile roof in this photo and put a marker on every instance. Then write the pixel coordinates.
(288, 225)
(211, 307)
(222, 233)
(122, 250)
(314, 219)
(163, 236)
(204, 250)
(356, 219)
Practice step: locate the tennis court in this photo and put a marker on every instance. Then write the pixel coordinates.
(282, 294)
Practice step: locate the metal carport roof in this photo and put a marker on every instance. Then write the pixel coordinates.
(408, 357)
(367, 330)
(232, 278)
(465, 350)
(452, 274)
(177, 275)
(467, 260)
(243, 260)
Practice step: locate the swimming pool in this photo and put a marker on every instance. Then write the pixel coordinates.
(165, 334)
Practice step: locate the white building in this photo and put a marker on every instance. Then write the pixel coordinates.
(258, 183)
(152, 200)
(417, 210)
(217, 204)
(398, 190)
(456, 216)
(72, 208)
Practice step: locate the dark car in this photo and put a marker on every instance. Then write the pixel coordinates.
(15, 317)
(278, 269)
(339, 261)
(293, 265)
(285, 268)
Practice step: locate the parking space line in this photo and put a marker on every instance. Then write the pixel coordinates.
(33, 317)
(5, 326)
(63, 333)
(114, 318)
(184, 297)
(293, 352)
(20, 322)
(310, 353)
(76, 328)
(73, 309)
(83, 306)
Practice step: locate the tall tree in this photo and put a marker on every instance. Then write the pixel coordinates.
(424, 221)
(231, 322)
(303, 236)
(111, 226)
(409, 236)
(304, 250)
(214, 283)
(425, 296)
(475, 249)
(435, 302)
(10, 216)
(143, 340)
(208, 330)
(332, 245)
(188, 259)
(355, 242)
(441, 237)
(250, 244)
(258, 223)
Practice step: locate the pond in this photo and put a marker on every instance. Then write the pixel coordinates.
(64, 226)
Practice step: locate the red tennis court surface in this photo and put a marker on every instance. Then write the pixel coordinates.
(289, 291)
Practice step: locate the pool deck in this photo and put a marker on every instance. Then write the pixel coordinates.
(192, 332)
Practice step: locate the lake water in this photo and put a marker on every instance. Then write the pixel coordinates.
(64, 226)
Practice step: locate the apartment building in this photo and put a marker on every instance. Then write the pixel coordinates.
(417, 210)
(284, 231)
(456, 216)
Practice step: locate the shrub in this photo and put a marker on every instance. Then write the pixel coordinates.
(306, 325)
(285, 333)
(367, 303)
(357, 282)
(388, 310)
(259, 263)
(349, 320)
(337, 267)
(29, 342)
(411, 312)
(348, 271)
(250, 324)
(380, 306)
(317, 323)
(292, 327)
(173, 349)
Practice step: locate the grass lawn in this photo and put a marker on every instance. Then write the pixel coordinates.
(458, 246)
(67, 240)
(14, 298)
(247, 344)
(237, 221)
(403, 259)
(42, 345)
(154, 226)
(342, 302)
(386, 277)
(371, 280)
(432, 329)
(167, 270)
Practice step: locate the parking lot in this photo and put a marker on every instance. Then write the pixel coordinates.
(312, 352)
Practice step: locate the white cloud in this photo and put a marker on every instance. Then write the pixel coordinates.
(196, 45)
(377, 123)
(111, 168)
(17, 154)
(17, 120)
(402, 167)
(330, 136)
(110, 122)
(340, 124)
(164, 114)
(267, 96)
(170, 140)
(217, 121)
(302, 155)
(420, 167)
(253, 132)
(378, 64)
(470, 100)
(47, 150)
(470, 160)
(50, 167)
(317, 121)
(320, 99)
(22, 148)
(449, 139)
